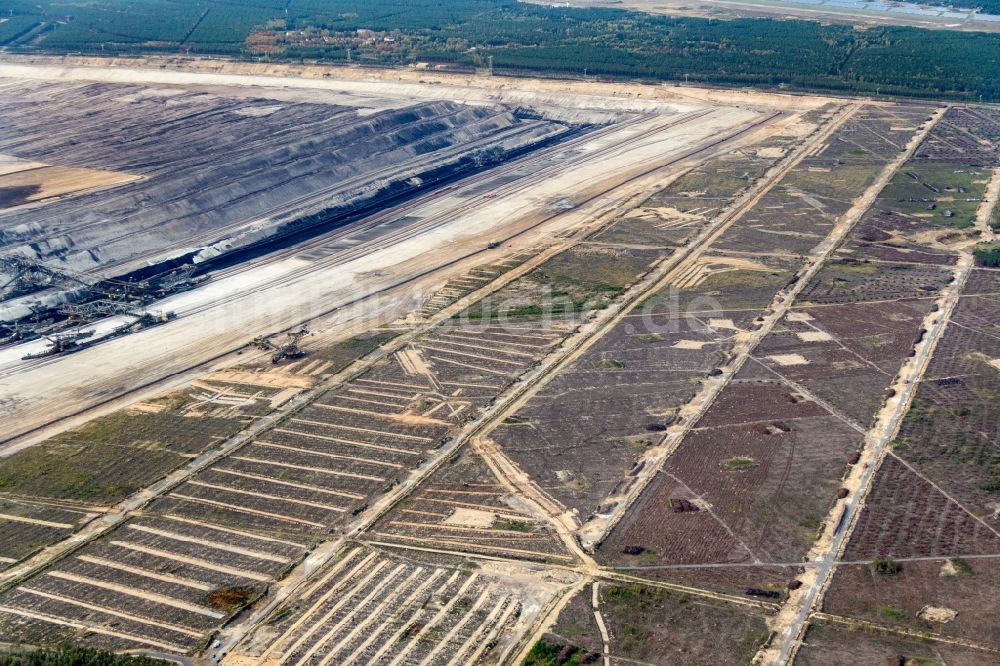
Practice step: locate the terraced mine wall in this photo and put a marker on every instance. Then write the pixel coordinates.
(242, 173)
(394, 193)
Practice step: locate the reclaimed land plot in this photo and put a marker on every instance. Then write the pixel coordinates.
(88, 470)
(936, 493)
(584, 436)
(707, 285)
(929, 209)
(837, 644)
(935, 496)
(950, 596)
(950, 435)
(325, 464)
(802, 209)
(373, 607)
(113, 456)
(582, 278)
(251, 516)
(651, 625)
(848, 351)
(586, 431)
(462, 506)
(27, 527)
(754, 480)
(161, 583)
(681, 209)
(747, 486)
(476, 278)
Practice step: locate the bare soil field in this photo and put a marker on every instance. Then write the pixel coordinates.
(797, 214)
(828, 644)
(374, 607)
(654, 626)
(950, 433)
(113, 456)
(42, 182)
(464, 506)
(741, 488)
(928, 212)
(964, 588)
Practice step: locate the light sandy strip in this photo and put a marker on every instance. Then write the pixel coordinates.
(324, 454)
(108, 611)
(484, 531)
(395, 384)
(454, 631)
(424, 513)
(290, 484)
(361, 412)
(489, 640)
(363, 391)
(465, 484)
(381, 393)
(337, 568)
(94, 629)
(398, 634)
(146, 573)
(388, 602)
(8, 560)
(307, 468)
(415, 640)
(462, 385)
(456, 542)
(482, 346)
(365, 401)
(240, 509)
(392, 616)
(193, 561)
(351, 442)
(137, 593)
(471, 338)
(398, 435)
(462, 492)
(540, 332)
(277, 498)
(176, 536)
(35, 521)
(480, 357)
(484, 507)
(356, 608)
(471, 367)
(480, 541)
(324, 424)
(346, 597)
(229, 530)
(476, 638)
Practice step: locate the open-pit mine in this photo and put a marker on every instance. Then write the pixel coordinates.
(312, 365)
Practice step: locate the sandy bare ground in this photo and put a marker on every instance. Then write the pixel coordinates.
(50, 181)
(288, 81)
(381, 277)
